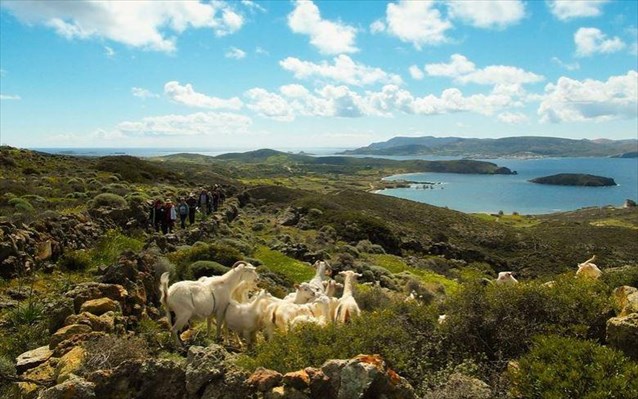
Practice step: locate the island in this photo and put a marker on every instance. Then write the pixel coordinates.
(575, 179)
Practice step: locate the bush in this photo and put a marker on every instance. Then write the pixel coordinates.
(108, 200)
(627, 275)
(499, 322)
(559, 367)
(206, 268)
(21, 205)
(116, 188)
(217, 252)
(111, 246)
(75, 261)
(110, 351)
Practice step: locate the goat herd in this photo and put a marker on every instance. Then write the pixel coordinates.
(226, 298)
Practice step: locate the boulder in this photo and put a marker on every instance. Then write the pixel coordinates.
(58, 311)
(622, 334)
(105, 322)
(74, 387)
(460, 386)
(100, 306)
(297, 379)
(264, 380)
(32, 358)
(67, 332)
(44, 373)
(626, 299)
(70, 363)
(289, 217)
(368, 376)
(204, 365)
(87, 291)
(286, 392)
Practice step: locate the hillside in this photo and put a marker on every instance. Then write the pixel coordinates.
(496, 148)
(575, 179)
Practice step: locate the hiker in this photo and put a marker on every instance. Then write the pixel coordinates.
(211, 209)
(169, 217)
(203, 202)
(222, 196)
(215, 198)
(192, 207)
(183, 211)
(157, 214)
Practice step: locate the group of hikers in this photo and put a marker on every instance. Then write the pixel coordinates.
(164, 214)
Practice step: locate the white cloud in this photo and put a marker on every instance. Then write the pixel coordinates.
(143, 93)
(513, 118)
(252, 6)
(200, 123)
(269, 105)
(141, 24)
(569, 66)
(9, 97)
(327, 36)
(495, 14)
(572, 100)
(464, 71)
(569, 9)
(416, 72)
(261, 51)
(590, 41)
(235, 53)
(377, 27)
(185, 94)
(109, 52)
(343, 70)
(416, 22)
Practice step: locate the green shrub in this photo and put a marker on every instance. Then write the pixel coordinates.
(34, 198)
(499, 321)
(116, 188)
(559, 367)
(206, 268)
(75, 261)
(217, 252)
(108, 200)
(627, 275)
(26, 328)
(109, 248)
(21, 205)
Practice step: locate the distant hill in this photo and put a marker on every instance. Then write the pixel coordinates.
(575, 179)
(525, 146)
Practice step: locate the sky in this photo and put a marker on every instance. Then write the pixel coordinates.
(309, 74)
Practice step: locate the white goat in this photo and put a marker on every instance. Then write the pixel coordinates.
(244, 318)
(319, 311)
(347, 307)
(201, 299)
(280, 313)
(506, 278)
(322, 273)
(588, 269)
(331, 291)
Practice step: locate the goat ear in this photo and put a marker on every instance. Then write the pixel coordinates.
(239, 262)
(358, 274)
(296, 286)
(342, 273)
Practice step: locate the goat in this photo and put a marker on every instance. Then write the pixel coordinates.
(322, 270)
(319, 311)
(506, 278)
(201, 299)
(305, 292)
(280, 313)
(244, 318)
(588, 269)
(347, 306)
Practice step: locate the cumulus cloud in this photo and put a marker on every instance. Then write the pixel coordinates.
(140, 24)
(10, 97)
(185, 94)
(416, 22)
(496, 14)
(235, 53)
(590, 41)
(569, 9)
(416, 72)
(327, 36)
(377, 26)
(569, 66)
(459, 65)
(269, 105)
(143, 93)
(200, 123)
(570, 100)
(513, 118)
(342, 70)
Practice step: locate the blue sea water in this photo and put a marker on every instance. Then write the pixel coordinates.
(514, 193)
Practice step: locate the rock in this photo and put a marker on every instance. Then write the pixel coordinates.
(105, 323)
(58, 312)
(73, 388)
(203, 365)
(67, 332)
(297, 379)
(290, 217)
(20, 294)
(79, 339)
(87, 291)
(622, 334)
(32, 358)
(629, 203)
(368, 376)
(264, 380)
(70, 363)
(285, 393)
(460, 386)
(100, 306)
(44, 250)
(626, 299)
(43, 373)
(319, 383)
(8, 304)
(332, 370)
(150, 378)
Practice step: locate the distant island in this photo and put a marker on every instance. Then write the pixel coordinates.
(508, 147)
(632, 154)
(575, 179)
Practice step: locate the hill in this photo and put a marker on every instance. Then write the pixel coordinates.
(495, 148)
(575, 179)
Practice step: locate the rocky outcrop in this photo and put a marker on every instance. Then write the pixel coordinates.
(33, 358)
(622, 334)
(460, 386)
(626, 299)
(74, 387)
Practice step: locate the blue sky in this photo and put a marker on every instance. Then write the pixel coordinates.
(303, 74)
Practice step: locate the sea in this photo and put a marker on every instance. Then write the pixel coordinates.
(470, 193)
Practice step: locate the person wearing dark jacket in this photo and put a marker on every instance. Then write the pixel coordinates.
(169, 217)
(203, 202)
(157, 215)
(192, 208)
(182, 211)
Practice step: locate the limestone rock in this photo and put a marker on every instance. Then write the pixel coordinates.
(32, 358)
(626, 298)
(286, 392)
(264, 379)
(87, 291)
(460, 386)
(58, 311)
(368, 376)
(44, 373)
(290, 217)
(203, 365)
(74, 387)
(100, 306)
(67, 332)
(70, 363)
(622, 334)
(297, 379)
(105, 322)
